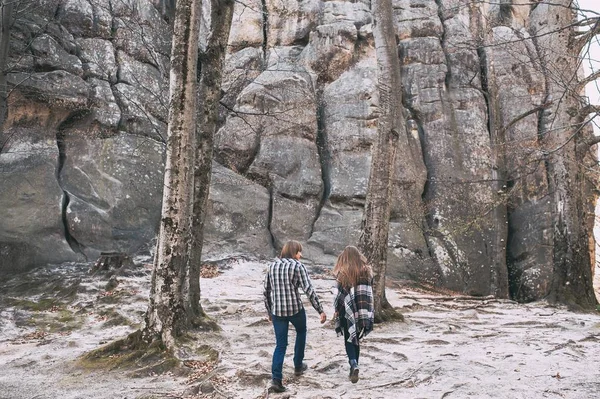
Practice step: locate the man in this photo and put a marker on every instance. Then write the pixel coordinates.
(282, 300)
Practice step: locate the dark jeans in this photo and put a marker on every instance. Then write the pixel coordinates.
(280, 325)
(353, 351)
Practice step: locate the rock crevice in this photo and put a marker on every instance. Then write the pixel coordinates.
(479, 195)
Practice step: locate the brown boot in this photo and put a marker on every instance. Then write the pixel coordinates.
(300, 370)
(354, 374)
(276, 386)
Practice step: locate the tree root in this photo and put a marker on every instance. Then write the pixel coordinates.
(204, 323)
(131, 352)
(141, 358)
(387, 313)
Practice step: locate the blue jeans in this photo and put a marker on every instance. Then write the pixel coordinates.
(353, 351)
(280, 325)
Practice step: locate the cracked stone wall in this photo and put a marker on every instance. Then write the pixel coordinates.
(82, 168)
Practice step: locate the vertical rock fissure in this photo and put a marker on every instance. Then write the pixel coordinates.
(95, 18)
(113, 89)
(58, 11)
(324, 154)
(443, 43)
(167, 9)
(485, 89)
(414, 116)
(244, 169)
(500, 238)
(66, 199)
(426, 224)
(265, 30)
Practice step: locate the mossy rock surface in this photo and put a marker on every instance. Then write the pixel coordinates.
(41, 305)
(132, 354)
(140, 359)
(208, 352)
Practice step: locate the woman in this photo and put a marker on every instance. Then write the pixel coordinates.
(282, 301)
(353, 303)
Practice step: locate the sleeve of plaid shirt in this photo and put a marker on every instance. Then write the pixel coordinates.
(364, 305)
(267, 294)
(308, 288)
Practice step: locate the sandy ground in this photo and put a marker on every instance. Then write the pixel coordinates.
(448, 347)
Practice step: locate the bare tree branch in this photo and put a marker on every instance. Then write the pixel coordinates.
(586, 80)
(525, 115)
(582, 40)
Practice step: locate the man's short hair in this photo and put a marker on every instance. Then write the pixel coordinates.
(290, 249)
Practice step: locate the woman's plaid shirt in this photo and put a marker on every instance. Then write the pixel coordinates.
(356, 305)
(281, 285)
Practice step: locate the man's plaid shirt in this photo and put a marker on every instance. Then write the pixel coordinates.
(281, 285)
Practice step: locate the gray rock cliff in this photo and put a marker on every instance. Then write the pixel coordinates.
(81, 165)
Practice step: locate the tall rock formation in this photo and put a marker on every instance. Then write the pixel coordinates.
(493, 193)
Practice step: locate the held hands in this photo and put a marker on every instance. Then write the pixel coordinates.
(323, 317)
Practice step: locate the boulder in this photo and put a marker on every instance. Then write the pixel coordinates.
(98, 57)
(350, 105)
(31, 202)
(49, 55)
(77, 16)
(336, 227)
(141, 95)
(136, 116)
(57, 89)
(289, 22)
(470, 199)
(105, 109)
(237, 217)
(356, 12)
(247, 25)
(141, 31)
(241, 68)
(418, 19)
(114, 186)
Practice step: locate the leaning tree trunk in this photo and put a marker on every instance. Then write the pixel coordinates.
(167, 316)
(209, 94)
(6, 11)
(561, 134)
(376, 216)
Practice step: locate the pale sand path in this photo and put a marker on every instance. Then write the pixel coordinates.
(447, 348)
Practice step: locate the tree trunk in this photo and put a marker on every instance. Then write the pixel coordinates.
(375, 223)
(209, 94)
(167, 315)
(6, 11)
(560, 134)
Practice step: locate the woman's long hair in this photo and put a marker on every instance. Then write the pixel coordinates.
(351, 267)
